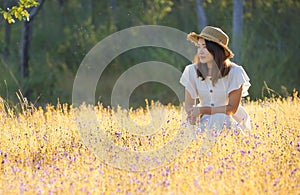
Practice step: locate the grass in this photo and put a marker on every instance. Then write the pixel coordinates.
(41, 152)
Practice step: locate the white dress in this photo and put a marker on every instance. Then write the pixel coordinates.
(218, 95)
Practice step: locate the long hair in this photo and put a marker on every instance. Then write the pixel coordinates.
(221, 64)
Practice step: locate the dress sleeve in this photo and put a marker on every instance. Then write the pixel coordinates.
(238, 78)
(188, 81)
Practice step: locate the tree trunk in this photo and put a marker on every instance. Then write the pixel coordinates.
(91, 10)
(183, 15)
(201, 16)
(7, 38)
(113, 7)
(237, 28)
(24, 48)
(60, 3)
(26, 40)
(7, 4)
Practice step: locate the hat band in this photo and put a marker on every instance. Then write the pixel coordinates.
(211, 38)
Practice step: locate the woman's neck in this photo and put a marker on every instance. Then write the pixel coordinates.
(209, 67)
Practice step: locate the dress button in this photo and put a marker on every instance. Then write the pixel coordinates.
(212, 104)
(211, 91)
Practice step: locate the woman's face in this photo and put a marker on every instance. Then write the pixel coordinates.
(204, 55)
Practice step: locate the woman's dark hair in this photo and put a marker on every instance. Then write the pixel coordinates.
(221, 65)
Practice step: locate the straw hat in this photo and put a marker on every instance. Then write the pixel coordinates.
(213, 34)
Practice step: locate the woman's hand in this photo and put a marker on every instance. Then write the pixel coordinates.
(194, 114)
(190, 118)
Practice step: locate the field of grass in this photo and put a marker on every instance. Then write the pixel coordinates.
(41, 152)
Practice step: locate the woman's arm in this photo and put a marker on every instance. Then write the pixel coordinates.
(229, 109)
(189, 105)
(189, 102)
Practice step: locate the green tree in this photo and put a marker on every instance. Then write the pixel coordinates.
(66, 30)
(18, 11)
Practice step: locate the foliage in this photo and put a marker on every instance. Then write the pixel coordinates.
(18, 11)
(270, 46)
(64, 32)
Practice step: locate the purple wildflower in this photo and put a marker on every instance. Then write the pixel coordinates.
(277, 180)
(166, 182)
(294, 171)
(219, 171)
(243, 152)
(208, 168)
(118, 134)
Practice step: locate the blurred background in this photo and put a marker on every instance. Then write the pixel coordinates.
(41, 57)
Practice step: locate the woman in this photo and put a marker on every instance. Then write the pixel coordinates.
(217, 82)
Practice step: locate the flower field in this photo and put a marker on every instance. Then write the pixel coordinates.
(41, 152)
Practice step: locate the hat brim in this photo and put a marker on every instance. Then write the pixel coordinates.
(194, 38)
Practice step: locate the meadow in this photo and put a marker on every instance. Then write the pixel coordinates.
(41, 152)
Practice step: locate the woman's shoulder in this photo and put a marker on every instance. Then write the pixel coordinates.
(190, 68)
(235, 66)
(189, 72)
(236, 69)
